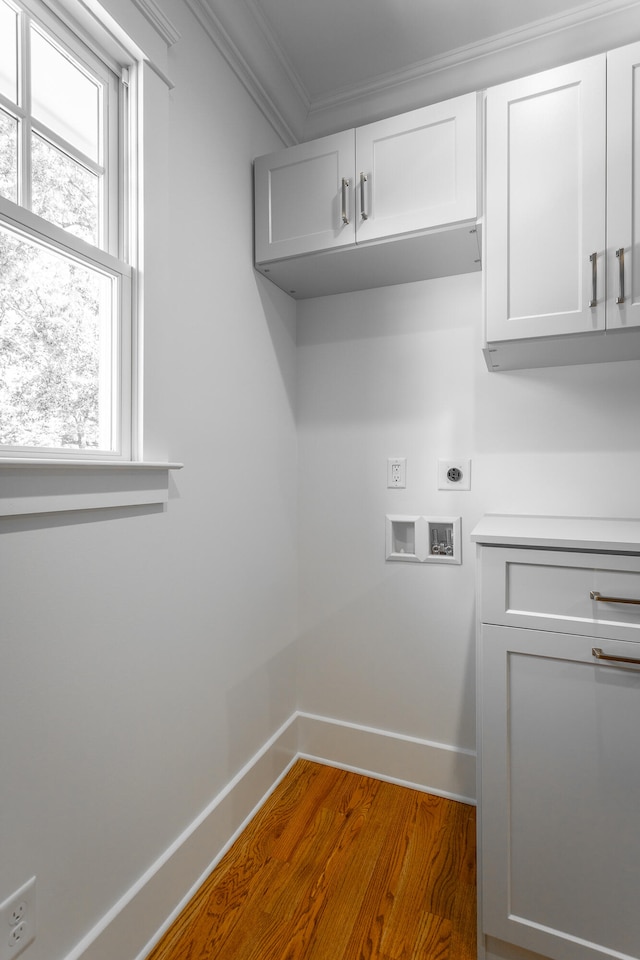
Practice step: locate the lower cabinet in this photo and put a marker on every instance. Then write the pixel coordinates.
(560, 793)
(559, 745)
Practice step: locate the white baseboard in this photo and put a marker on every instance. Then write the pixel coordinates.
(135, 924)
(408, 761)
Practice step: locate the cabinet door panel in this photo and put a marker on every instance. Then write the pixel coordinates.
(420, 169)
(560, 782)
(299, 198)
(545, 203)
(623, 191)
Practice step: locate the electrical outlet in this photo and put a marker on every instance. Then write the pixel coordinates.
(454, 474)
(397, 472)
(18, 921)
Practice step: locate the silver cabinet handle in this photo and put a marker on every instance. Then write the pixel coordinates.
(345, 212)
(594, 595)
(593, 259)
(597, 652)
(363, 211)
(620, 256)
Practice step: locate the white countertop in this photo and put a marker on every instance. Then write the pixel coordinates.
(561, 533)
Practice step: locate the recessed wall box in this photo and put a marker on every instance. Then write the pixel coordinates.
(443, 540)
(406, 539)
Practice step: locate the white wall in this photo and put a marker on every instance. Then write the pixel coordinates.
(398, 372)
(147, 655)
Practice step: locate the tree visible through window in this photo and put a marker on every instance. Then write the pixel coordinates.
(62, 284)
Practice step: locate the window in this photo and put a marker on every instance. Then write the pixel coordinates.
(65, 284)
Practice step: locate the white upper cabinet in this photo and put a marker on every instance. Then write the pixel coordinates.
(417, 171)
(623, 177)
(398, 179)
(561, 159)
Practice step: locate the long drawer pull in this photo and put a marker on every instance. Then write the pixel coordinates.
(597, 652)
(363, 206)
(594, 595)
(620, 256)
(344, 211)
(594, 280)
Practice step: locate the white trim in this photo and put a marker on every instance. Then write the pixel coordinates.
(279, 52)
(126, 28)
(56, 486)
(438, 768)
(158, 20)
(89, 464)
(156, 907)
(235, 47)
(587, 28)
(145, 912)
(461, 56)
(35, 229)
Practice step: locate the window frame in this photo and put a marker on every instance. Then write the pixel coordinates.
(114, 246)
(137, 35)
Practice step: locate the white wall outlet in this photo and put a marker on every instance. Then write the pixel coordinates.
(397, 472)
(454, 474)
(18, 921)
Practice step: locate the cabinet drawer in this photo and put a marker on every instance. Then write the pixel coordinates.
(552, 590)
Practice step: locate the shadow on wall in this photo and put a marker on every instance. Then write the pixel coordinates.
(587, 407)
(258, 705)
(393, 311)
(280, 315)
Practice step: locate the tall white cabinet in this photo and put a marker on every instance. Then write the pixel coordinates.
(559, 750)
(562, 211)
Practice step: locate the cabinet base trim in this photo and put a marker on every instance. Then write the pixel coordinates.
(442, 253)
(563, 351)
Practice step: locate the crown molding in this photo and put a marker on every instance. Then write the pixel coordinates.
(461, 56)
(279, 52)
(583, 31)
(158, 20)
(235, 31)
(245, 38)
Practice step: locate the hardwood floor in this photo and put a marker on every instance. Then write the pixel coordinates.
(336, 866)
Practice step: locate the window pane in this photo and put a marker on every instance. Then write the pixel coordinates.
(8, 52)
(63, 191)
(63, 97)
(8, 157)
(55, 349)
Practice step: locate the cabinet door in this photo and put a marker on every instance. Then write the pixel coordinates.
(420, 170)
(545, 203)
(560, 781)
(304, 195)
(623, 195)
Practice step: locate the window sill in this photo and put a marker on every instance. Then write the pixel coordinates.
(33, 486)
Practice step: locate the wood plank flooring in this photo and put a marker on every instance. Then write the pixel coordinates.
(336, 866)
